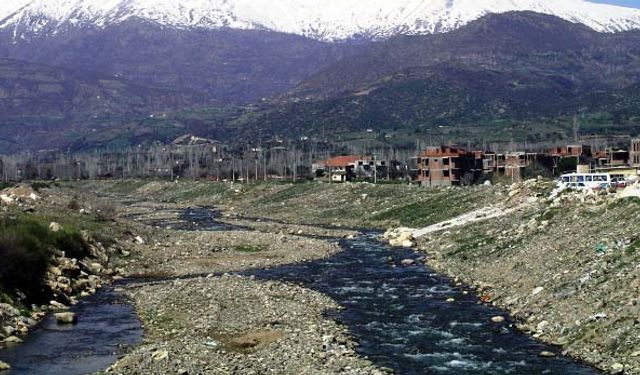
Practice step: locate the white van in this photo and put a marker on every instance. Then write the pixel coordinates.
(579, 181)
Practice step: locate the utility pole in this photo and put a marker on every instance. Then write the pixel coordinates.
(375, 170)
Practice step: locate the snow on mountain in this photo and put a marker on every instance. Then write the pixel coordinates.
(319, 19)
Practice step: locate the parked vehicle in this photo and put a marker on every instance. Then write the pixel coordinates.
(580, 181)
(618, 182)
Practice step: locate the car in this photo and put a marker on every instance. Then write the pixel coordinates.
(618, 182)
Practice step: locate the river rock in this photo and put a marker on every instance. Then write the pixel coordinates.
(547, 354)
(160, 355)
(4, 366)
(66, 318)
(617, 368)
(497, 319)
(13, 340)
(408, 262)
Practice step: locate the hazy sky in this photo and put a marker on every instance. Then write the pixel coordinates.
(628, 3)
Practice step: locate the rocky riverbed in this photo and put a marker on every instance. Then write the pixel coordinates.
(237, 325)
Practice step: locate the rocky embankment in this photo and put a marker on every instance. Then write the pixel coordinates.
(67, 278)
(564, 264)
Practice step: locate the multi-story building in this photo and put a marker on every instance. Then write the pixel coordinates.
(634, 152)
(448, 166)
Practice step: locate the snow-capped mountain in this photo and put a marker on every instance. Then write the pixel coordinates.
(329, 20)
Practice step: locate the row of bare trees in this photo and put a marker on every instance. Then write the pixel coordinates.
(285, 160)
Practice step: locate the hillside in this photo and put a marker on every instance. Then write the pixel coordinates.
(226, 65)
(46, 107)
(511, 68)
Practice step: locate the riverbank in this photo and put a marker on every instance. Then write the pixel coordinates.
(56, 249)
(565, 268)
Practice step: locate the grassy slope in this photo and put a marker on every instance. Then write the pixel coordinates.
(350, 205)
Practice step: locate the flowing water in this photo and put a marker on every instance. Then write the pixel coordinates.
(106, 328)
(399, 314)
(402, 319)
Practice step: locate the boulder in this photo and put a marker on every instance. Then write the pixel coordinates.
(66, 318)
(55, 227)
(6, 200)
(4, 366)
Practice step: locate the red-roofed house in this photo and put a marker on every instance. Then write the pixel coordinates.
(346, 168)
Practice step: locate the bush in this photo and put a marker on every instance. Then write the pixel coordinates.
(105, 212)
(37, 186)
(71, 242)
(536, 169)
(25, 254)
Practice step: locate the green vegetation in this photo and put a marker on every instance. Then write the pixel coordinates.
(437, 208)
(633, 248)
(126, 186)
(250, 248)
(292, 191)
(26, 245)
(25, 253)
(25, 250)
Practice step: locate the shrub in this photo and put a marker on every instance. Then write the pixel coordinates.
(25, 254)
(536, 169)
(37, 186)
(71, 242)
(105, 212)
(74, 203)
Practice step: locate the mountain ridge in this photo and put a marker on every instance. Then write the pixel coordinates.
(327, 20)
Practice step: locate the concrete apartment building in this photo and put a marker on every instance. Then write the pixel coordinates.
(447, 166)
(634, 152)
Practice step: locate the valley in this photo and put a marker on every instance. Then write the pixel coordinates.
(319, 187)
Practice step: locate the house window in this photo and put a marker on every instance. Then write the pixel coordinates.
(445, 173)
(445, 161)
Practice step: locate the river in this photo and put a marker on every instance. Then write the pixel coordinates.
(402, 315)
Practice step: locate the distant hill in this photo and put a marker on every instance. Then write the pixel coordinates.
(514, 67)
(519, 75)
(227, 65)
(47, 107)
